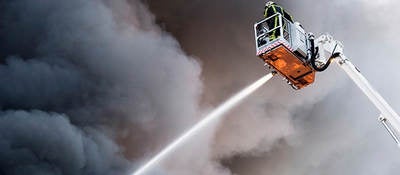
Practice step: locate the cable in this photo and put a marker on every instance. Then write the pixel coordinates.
(313, 57)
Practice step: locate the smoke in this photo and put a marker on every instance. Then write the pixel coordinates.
(89, 87)
(36, 142)
(97, 87)
(328, 128)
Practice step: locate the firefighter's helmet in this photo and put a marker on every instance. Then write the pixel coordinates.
(269, 4)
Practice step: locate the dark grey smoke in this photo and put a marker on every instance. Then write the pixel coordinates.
(88, 87)
(35, 142)
(328, 128)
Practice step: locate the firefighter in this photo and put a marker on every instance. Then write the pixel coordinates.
(271, 8)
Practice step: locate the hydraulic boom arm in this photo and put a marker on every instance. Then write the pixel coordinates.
(389, 118)
(330, 50)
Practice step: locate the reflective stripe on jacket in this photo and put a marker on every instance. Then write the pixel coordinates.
(273, 9)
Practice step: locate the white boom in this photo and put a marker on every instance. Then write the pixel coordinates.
(389, 118)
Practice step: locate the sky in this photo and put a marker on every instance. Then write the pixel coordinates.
(98, 87)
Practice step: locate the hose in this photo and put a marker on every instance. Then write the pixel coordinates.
(314, 54)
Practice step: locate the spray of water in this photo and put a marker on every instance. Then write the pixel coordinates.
(213, 117)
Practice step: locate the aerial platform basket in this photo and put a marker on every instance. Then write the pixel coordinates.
(285, 49)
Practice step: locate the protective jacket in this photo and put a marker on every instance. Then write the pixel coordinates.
(272, 10)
